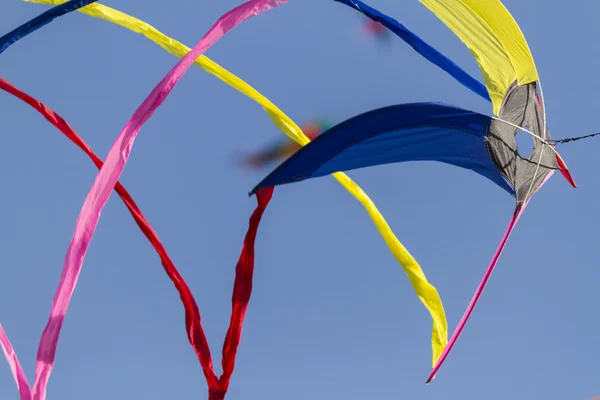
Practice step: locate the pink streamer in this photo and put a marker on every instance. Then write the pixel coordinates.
(15, 366)
(463, 321)
(100, 193)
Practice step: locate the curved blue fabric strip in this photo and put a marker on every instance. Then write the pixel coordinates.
(36, 23)
(405, 132)
(420, 46)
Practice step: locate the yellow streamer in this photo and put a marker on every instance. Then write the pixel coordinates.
(425, 291)
(492, 35)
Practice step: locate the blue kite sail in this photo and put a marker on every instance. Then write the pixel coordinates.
(406, 132)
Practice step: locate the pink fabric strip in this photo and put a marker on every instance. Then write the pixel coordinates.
(516, 215)
(107, 178)
(15, 366)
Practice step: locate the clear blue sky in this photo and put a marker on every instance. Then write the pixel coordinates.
(332, 314)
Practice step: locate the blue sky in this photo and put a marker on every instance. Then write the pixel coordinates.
(332, 313)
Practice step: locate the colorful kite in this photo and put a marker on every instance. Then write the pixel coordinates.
(437, 132)
(407, 132)
(284, 148)
(376, 30)
(426, 293)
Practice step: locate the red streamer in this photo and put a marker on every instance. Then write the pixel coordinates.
(242, 290)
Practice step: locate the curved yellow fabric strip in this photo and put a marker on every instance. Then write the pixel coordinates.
(493, 37)
(425, 291)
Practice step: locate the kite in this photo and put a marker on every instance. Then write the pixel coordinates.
(284, 148)
(426, 292)
(453, 135)
(448, 134)
(376, 30)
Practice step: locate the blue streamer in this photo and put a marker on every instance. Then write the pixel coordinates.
(36, 23)
(420, 46)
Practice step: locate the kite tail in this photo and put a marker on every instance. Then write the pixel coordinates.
(15, 366)
(242, 291)
(197, 339)
(420, 46)
(194, 328)
(463, 321)
(242, 288)
(425, 291)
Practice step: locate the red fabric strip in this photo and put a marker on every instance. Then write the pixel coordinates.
(563, 168)
(242, 290)
(244, 270)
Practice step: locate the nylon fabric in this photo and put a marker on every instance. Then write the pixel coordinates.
(15, 366)
(425, 291)
(242, 290)
(506, 29)
(494, 39)
(524, 171)
(406, 132)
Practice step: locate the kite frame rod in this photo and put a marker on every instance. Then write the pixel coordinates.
(527, 131)
(544, 141)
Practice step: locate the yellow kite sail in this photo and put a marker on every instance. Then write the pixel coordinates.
(495, 40)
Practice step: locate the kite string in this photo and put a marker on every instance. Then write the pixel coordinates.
(573, 139)
(549, 143)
